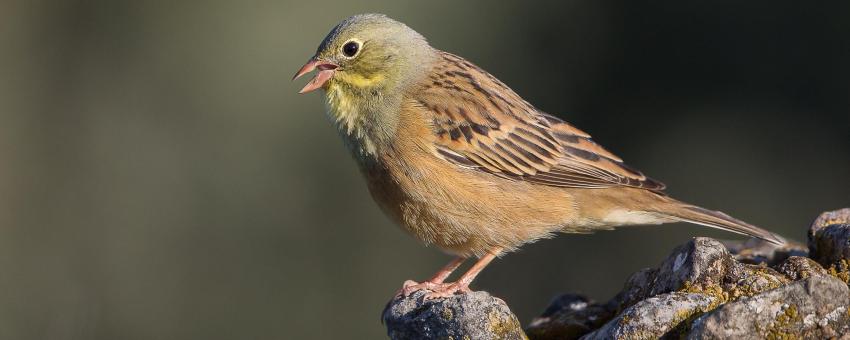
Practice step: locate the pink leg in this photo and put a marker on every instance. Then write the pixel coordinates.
(462, 284)
(444, 273)
(411, 286)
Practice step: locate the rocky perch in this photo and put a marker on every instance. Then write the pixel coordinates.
(706, 289)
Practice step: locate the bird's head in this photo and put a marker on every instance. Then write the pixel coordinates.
(367, 54)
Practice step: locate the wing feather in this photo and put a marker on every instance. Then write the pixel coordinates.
(478, 122)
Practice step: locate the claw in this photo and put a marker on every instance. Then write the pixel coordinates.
(436, 290)
(447, 290)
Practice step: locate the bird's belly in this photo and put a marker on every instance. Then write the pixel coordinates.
(465, 214)
(415, 214)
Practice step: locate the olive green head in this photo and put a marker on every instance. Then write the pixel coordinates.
(368, 53)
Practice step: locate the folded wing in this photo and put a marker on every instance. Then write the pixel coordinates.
(480, 123)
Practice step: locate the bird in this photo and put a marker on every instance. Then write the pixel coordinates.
(462, 162)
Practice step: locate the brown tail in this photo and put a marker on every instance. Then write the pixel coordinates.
(715, 219)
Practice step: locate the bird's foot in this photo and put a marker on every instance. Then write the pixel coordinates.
(436, 290)
(410, 286)
(446, 290)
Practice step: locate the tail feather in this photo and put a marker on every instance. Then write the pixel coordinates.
(719, 220)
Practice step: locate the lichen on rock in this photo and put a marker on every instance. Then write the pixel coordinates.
(654, 317)
(476, 315)
(827, 237)
(705, 289)
(809, 308)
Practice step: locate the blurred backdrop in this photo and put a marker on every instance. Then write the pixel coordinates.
(161, 178)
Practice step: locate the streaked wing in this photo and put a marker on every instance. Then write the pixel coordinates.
(481, 123)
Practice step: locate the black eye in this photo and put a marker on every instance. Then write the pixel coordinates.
(350, 48)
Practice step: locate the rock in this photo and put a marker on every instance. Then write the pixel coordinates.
(748, 280)
(637, 288)
(654, 317)
(702, 262)
(812, 308)
(568, 317)
(705, 289)
(828, 237)
(475, 315)
(798, 268)
(695, 278)
(756, 251)
(702, 265)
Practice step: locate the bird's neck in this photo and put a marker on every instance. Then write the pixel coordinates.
(366, 110)
(367, 116)
(366, 119)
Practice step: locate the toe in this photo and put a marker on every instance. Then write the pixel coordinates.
(437, 295)
(445, 291)
(427, 285)
(406, 291)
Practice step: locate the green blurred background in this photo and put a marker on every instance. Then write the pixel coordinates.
(161, 178)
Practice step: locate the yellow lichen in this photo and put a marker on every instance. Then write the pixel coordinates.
(833, 220)
(683, 319)
(781, 328)
(714, 290)
(734, 292)
(841, 270)
(503, 328)
(682, 315)
(446, 314)
(749, 289)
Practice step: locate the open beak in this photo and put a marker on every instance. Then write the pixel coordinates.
(326, 71)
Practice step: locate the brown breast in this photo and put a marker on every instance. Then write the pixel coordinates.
(462, 211)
